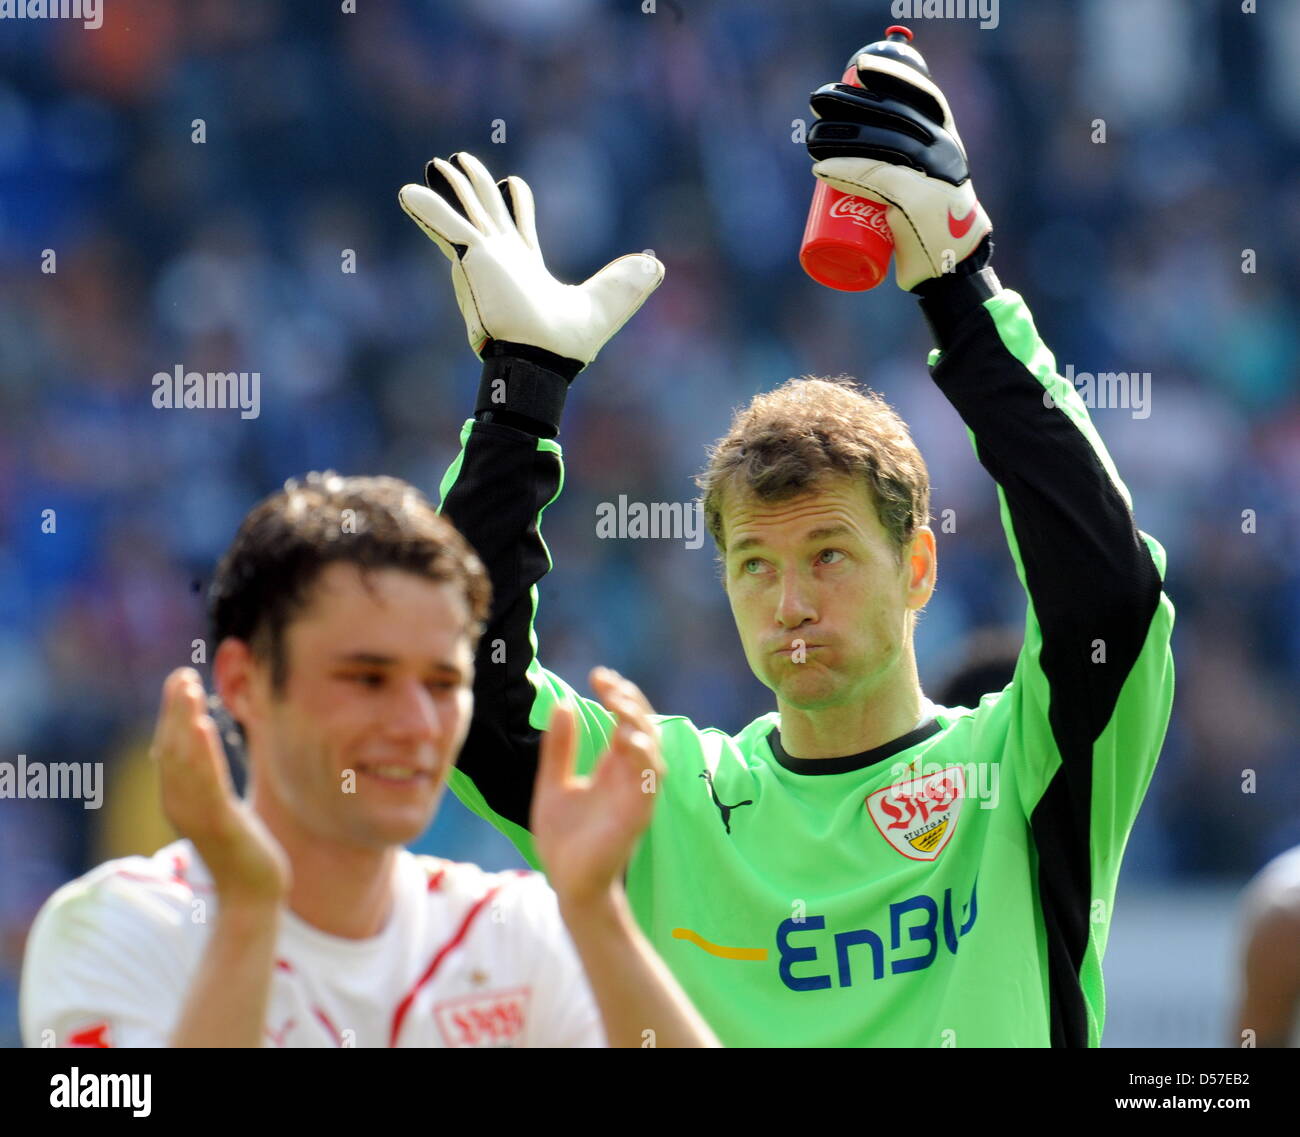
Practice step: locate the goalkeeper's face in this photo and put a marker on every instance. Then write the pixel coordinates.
(823, 601)
(358, 746)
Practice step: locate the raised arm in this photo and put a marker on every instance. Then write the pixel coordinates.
(226, 1003)
(1082, 723)
(534, 335)
(105, 963)
(586, 829)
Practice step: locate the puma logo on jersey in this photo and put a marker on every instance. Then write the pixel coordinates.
(725, 810)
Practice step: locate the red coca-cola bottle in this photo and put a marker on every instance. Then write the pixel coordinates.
(846, 242)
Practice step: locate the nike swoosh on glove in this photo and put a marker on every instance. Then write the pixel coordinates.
(505, 291)
(894, 142)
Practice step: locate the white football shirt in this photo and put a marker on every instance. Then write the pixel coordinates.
(468, 958)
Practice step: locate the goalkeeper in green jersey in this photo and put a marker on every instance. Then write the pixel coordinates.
(860, 866)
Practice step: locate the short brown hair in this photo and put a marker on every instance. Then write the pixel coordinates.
(287, 540)
(786, 441)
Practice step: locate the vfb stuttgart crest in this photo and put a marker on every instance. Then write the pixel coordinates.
(495, 1018)
(918, 816)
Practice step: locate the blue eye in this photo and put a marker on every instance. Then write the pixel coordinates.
(748, 565)
(821, 557)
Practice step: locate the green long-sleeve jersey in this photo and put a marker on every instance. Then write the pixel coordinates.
(953, 887)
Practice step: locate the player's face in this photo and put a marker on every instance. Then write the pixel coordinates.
(377, 702)
(821, 598)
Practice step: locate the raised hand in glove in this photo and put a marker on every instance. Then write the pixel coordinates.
(505, 292)
(894, 142)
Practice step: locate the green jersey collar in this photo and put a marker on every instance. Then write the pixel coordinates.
(851, 762)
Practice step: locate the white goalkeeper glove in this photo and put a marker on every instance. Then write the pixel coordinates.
(894, 142)
(505, 292)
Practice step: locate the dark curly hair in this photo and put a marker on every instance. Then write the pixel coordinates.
(266, 576)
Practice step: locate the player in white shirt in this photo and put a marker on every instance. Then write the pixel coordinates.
(346, 614)
(467, 958)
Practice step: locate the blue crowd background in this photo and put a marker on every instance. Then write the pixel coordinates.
(1170, 248)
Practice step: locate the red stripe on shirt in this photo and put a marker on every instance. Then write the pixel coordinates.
(143, 879)
(405, 1005)
(95, 1036)
(328, 1023)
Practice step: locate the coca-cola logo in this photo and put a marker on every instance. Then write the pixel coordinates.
(868, 214)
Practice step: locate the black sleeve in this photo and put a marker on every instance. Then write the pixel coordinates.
(505, 477)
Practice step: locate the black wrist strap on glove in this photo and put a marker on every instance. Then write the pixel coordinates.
(948, 299)
(524, 387)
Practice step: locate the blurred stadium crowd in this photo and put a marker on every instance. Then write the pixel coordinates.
(672, 131)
